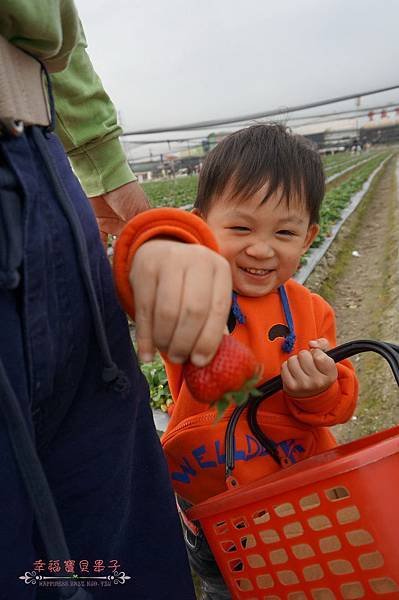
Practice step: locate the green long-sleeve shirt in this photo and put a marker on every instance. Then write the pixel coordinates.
(86, 117)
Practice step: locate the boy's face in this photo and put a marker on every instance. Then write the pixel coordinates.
(263, 242)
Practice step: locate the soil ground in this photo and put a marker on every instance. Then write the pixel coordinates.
(364, 291)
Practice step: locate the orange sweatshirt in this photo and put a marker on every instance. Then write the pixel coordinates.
(193, 443)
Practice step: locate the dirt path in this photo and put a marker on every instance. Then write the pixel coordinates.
(364, 291)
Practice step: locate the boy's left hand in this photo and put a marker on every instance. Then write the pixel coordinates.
(310, 372)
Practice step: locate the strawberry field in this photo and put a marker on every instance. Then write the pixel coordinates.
(172, 192)
(182, 190)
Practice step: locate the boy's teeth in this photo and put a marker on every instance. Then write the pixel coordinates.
(257, 271)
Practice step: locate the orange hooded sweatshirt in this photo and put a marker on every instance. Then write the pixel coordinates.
(193, 443)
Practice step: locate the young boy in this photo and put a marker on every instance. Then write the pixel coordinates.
(259, 196)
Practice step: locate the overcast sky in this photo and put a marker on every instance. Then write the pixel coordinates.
(168, 62)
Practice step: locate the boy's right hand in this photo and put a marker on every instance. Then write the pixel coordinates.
(182, 296)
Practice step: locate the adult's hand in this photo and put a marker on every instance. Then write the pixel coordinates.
(114, 209)
(182, 295)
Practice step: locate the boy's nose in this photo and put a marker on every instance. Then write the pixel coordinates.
(260, 250)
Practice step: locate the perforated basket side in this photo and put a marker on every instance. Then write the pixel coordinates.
(336, 539)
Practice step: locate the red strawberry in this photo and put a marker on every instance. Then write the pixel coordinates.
(229, 377)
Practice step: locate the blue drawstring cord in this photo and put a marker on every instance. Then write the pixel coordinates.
(289, 341)
(236, 310)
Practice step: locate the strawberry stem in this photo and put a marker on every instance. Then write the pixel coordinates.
(238, 397)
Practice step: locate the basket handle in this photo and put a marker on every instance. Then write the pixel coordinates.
(387, 350)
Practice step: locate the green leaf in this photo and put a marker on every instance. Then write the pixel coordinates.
(221, 406)
(155, 374)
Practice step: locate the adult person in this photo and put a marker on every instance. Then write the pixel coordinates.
(84, 484)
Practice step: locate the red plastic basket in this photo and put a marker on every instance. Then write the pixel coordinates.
(326, 528)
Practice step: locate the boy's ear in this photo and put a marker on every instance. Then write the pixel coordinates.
(313, 230)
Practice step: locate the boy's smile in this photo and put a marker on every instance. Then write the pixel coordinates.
(263, 241)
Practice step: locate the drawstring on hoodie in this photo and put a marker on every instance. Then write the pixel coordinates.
(236, 310)
(289, 340)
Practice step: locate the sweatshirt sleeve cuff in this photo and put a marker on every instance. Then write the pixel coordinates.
(158, 222)
(101, 168)
(321, 404)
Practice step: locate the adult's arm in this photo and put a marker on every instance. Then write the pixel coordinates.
(87, 125)
(86, 117)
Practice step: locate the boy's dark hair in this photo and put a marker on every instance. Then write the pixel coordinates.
(259, 154)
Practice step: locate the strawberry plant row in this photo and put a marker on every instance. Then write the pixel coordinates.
(330, 159)
(339, 197)
(337, 168)
(336, 160)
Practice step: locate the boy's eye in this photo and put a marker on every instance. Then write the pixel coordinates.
(286, 232)
(239, 228)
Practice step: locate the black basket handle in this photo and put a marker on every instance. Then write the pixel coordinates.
(387, 350)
